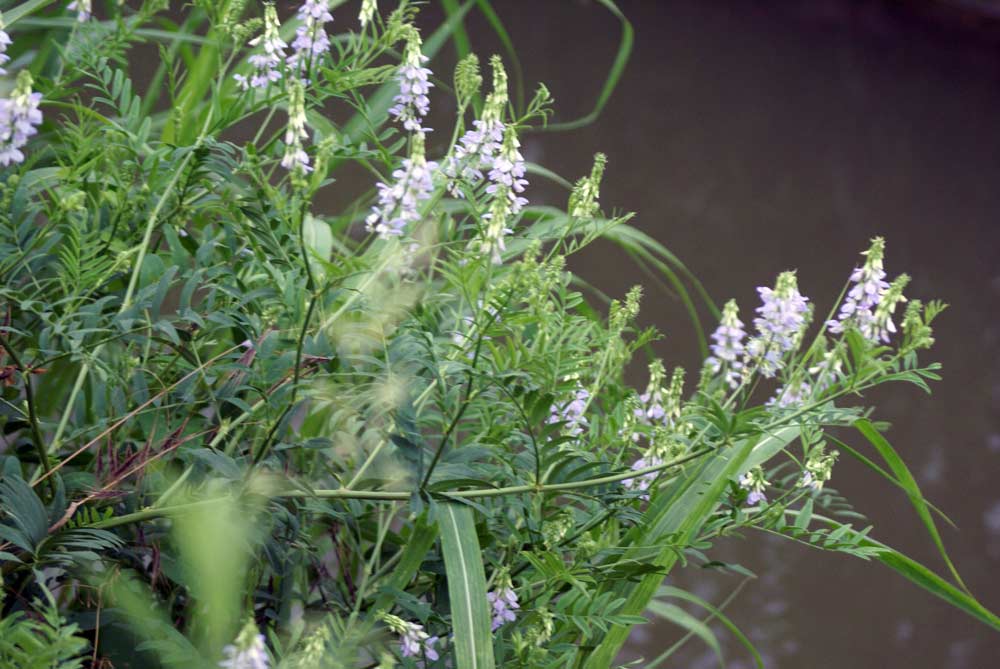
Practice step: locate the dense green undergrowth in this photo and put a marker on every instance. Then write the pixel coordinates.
(239, 430)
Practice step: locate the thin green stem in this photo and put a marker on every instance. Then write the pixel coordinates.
(395, 496)
(29, 398)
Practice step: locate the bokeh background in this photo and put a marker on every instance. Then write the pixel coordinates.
(751, 137)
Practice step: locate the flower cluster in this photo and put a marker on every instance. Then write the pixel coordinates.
(728, 347)
(5, 42)
(247, 652)
(859, 305)
(572, 413)
(19, 116)
(586, 195)
(295, 157)
(883, 326)
(755, 484)
(474, 153)
(478, 147)
(399, 203)
(84, 9)
(642, 482)
(367, 13)
(503, 600)
(311, 40)
(660, 405)
(414, 641)
(818, 469)
(267, 65)
(412, 103)
(780, 321)
(507, 175)
(794, 394)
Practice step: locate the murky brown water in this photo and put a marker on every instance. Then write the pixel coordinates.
(755, 137)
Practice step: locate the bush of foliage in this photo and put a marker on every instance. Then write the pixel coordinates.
(242, 430)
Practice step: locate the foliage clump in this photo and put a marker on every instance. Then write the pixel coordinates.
(242, 428)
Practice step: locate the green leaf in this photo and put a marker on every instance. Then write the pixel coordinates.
(682, 618)
(909, 484)
(716, 612)
(804, 515)
(414, 553)
(614, 73)
(466, 587)
(318, 237)
(674, 519)
(919, 574)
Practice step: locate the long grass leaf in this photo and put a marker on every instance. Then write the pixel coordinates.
(614, 73)
(909, 484)
(466, 588)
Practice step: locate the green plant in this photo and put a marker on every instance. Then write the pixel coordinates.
(249, 429)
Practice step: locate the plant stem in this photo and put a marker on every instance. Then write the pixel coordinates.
(29, 398)
(395, 496)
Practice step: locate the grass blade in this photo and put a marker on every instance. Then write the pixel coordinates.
(674, 519)
(614, 73)
(919, 574)
(466, 588)
(909, 484)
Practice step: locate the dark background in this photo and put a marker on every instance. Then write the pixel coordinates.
(752, 137)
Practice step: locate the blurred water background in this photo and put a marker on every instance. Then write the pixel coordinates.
(752, 137)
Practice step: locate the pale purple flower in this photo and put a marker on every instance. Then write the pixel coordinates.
(781, 318)
(642, 482)
(415, 642)
(399, 202)
(864, 296)
(728, 347)
(504, 603)
(754, 483)
(572, 413)
(83, 8)
(311, 40)
(412, 103)
(507, 174)
(267, 64)
(19, 115)
(792, 395)
(252, 655)
(5, 42)
(475, 152)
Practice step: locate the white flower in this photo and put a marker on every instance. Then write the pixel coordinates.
(399, 202)
(311, 40)
(728, 347)
(19, 115)
(572, 413)
(642, 482)
(781, 319)
(84, 9)
(864, 296)
(818, 469)
(295, 157)
(412, 103)
(475, 152)
(507, 175)
(267, 65)
(504, 604)
(368, 9)
(5, 42)
(755, 484)
(247, 652)
(414, 641)
(793, 395)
